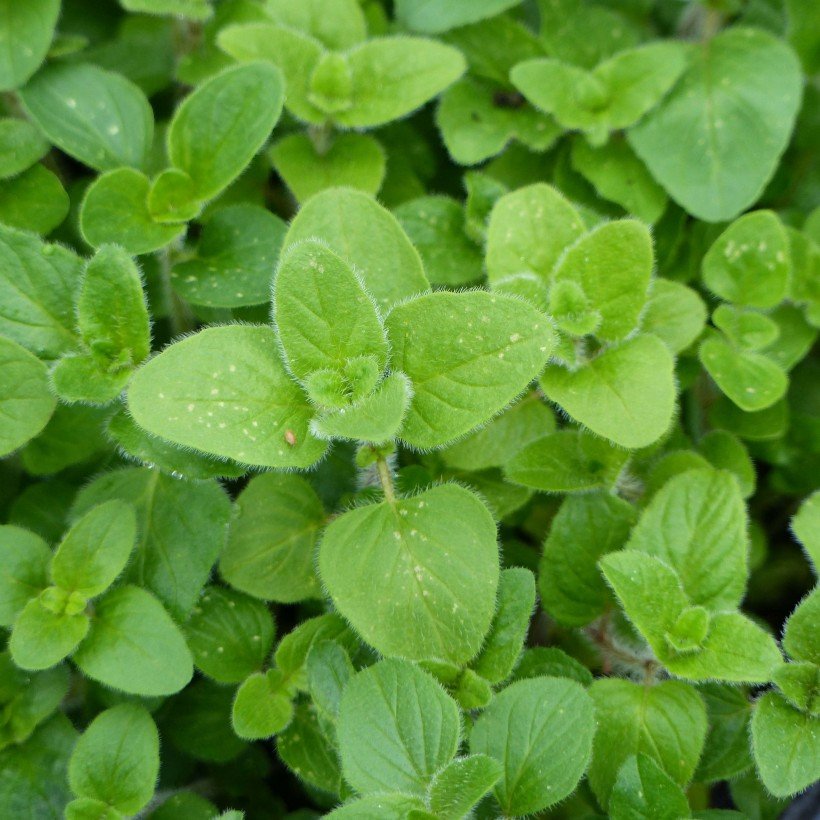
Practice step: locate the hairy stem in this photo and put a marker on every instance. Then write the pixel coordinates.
(386, 480)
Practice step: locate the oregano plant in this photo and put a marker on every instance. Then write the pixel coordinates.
(409, 410)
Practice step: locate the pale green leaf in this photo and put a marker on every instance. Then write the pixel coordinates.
(806, 528)
(380, 807)
(33, 201)
(32, 24)
(95, 116)
(751, 380)
(181, 529)
(541, 731)
(229, 634)
(529, 230)
(800, 636)
(270, 549)
(26, 404)
(116, 761)
(218, 128)
(352, 160)
(586, 527)
(338, 25)
(115, 210)
(134, 646)
(189, 9)
(234, 260)
(666, 722)
(242, 406)
(626, 394)
(786, 745)
(173, 197)
(42, 637)
(367, 237)
(435, 16)
(644, 791)
(386, 740)
(262, 707)
(426, 606)
(311, 284)
(501, 344)
(696, 523)
(37, 286)
(745, 329)
(461, 784)
(674, 313)
(96, 549)
(737, 103)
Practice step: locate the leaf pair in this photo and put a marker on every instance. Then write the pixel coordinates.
(46, 598)
(363, 85)
(386, 750)
(682, 576)
(212, 137)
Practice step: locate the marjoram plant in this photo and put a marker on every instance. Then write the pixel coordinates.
(408, 409)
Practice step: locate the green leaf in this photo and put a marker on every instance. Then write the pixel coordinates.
(42, 637)
(376, 418)
(218, 128)
(619, 176)
(112, 315)
(501, 439)
(786, 745)
(501, 344)
(799, 682)
(551, 662)
(293, 53)
(229, 635)
(37, 286)
(367, 237)
(477, 120)
(234, 260)
(435, 16)
(726, 452)
(508, 631)
(745, 329)
(95, 550)
(749, 263)
(612, 265)
(116, 761)
(806, 528)
(666, 722)
(246, 409)
(308, 752)
(726, 753)
(26, 404)
(95, 116)
(24, 792)
(674, 313)
(86, 808)
(339, 25)
(541, 731)
(696, 524)
(567, 461)
(435, 225)
(586, 527)
(614, 95)
(34, 201)
(273, 536)
(353, 160)
(33, 26)
(173, 197)
(426, 606)
(644, 790)
(21, 145)
(529, 231)
(181, 530)
(134, 646)
(310, 285)
(381, 807)
(626, 394)
(328, 671)
(115, 210)
(385, 740)
(262, 707)
(188, 9)
(751, 380)
(461, 784)
(726, 161)
(800, 637)
(28, 699)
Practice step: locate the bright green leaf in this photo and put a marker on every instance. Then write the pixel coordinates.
(261, 708)
(461, 784)
(644, 791)
(42, 637)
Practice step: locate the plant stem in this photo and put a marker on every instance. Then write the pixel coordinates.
(386, 480)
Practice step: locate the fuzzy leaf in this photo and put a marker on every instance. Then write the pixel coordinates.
(42, 637)
(426, 606)
(261, 708)
(644, 791)
(328, 669)
(501, 344)
(257, 414)
(674, 313)
(461, 784)
(33, 26)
